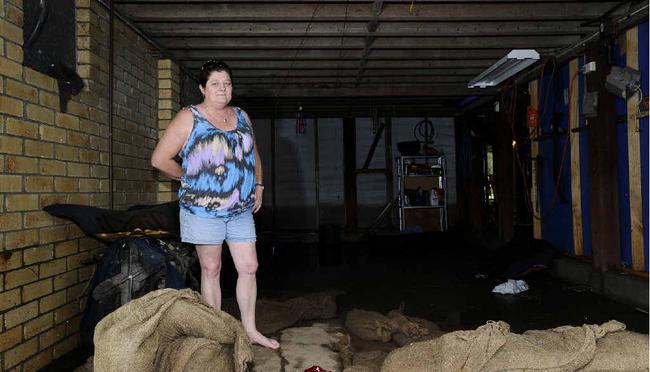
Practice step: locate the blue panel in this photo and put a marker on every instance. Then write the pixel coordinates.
(584, 170)
(623, 173)
(557, 225)
(643, 125)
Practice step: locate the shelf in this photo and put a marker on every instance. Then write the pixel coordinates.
(426, 172)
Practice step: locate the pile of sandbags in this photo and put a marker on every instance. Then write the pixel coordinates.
(374, 335)
(395, 326)
(272, 316)
(492, 347)
(170, 330)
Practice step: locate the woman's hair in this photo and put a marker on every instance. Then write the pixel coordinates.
(210, 67)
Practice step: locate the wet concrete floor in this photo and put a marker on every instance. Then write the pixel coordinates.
(433, 276)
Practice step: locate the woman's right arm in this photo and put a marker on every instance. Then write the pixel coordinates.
(171, 144)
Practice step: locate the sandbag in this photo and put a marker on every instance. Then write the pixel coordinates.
(195, 354)
(620, 351)
(492, 347)
(371, 359)
(319, 305)
(563, 348)
(359, 368)
(407, 327)
(272, 316)
(136, 337)
(370, 325)
(433, 332)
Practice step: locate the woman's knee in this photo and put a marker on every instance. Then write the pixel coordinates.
(248, 267)
(211, 268)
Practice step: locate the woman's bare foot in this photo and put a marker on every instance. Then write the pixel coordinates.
(257, 338)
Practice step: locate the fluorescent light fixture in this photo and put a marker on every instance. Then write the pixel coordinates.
(515, 61)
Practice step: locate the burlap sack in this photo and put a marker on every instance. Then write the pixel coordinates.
(407, 327)
(195, 354)
(493, 348)
(320, 305)
(86, 367)
(273, 316)
(136, 336)
(432, 328)
(620, 351)
(563, 348)
(359, 369)
(370, 325)
(371, 359)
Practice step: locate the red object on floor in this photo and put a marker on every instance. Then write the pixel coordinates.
(316, 369)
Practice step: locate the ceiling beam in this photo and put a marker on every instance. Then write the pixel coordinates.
(397, 79)
(238, 65)
(466, 2)
(475, 42)
(360, 29)
(345, 55)
(380, 91)
(424, 12)
(376, 73)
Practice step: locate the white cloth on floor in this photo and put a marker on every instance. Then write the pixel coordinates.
(512, 286)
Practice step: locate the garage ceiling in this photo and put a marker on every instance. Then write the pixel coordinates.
(349, 57)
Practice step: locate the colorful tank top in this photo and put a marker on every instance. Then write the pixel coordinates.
(218, 168)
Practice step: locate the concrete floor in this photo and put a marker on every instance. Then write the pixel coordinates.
(433, 276)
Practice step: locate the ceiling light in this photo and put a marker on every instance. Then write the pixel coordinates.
(515, 61)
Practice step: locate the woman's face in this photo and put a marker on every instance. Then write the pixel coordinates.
(218, 89)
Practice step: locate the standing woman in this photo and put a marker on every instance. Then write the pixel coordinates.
(221, 188)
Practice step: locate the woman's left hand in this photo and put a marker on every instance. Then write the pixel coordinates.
(259, 195)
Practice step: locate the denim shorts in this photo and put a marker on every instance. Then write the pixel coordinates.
(214, 230)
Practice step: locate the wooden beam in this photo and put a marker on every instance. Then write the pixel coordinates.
(349, 173)
(533, 90)
(373, 146)
(355, 12)
(504, 177)
(379, 91)
(290, 55)
(388, 154)
(603, 166)
(246, 64)
(360, 29)
(576, 191)
(634, 156)
(348, 42)
(332, 72)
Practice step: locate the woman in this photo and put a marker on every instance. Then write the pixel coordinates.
(221, 188)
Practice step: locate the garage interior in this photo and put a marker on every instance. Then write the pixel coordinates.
(388, 180)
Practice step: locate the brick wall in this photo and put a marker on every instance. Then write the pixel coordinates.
(168, 105)
(51, 157)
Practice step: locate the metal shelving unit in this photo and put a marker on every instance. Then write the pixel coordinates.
(427, 173)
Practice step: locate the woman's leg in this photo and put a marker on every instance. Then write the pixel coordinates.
(210, 260)
(245, 259)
